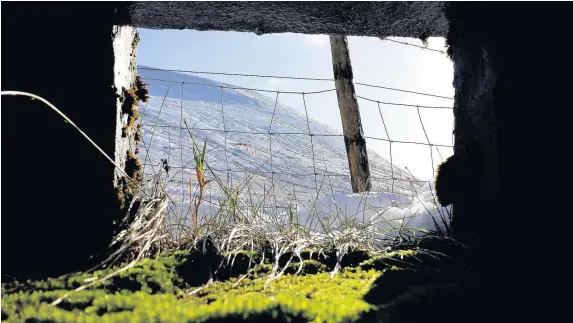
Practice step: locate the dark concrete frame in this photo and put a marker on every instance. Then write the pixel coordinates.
(84, 97)
(495, 71)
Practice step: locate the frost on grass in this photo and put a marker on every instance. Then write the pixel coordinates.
(254, 274)
(381, 211)
(372, 220)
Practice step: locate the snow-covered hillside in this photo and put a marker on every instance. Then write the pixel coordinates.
(235, 124)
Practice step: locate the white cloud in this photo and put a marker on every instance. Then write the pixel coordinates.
(317, 40)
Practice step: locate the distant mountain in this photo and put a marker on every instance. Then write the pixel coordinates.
(236, 125)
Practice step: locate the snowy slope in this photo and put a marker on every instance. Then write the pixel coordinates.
(236, 124)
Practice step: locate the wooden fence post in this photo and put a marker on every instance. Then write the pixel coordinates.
(350, 115)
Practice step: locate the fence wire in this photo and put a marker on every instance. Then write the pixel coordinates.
(265, 178)
(414, 45)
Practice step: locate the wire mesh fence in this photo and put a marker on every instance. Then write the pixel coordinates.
(261, 157)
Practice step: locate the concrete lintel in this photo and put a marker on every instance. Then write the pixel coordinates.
(401, 19)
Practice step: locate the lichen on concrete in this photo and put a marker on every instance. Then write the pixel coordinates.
(129, 188)
(124, 38)
(131, 91)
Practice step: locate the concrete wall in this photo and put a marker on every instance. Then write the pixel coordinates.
(360, 18)
(59, 201)
(512, 68)
(476, 121)
(124, 69)
(83, 76)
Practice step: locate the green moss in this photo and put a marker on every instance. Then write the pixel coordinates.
(157, 294)
(308, 267)
(167, 289)
(159, 275)
(327, 258)
(400, 258)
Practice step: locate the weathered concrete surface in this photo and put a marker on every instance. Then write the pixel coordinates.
(124, 78)
(404, 19)
(512, 109)
(512, 67)
(476, 124)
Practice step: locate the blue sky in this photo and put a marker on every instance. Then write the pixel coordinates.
(374, 62)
